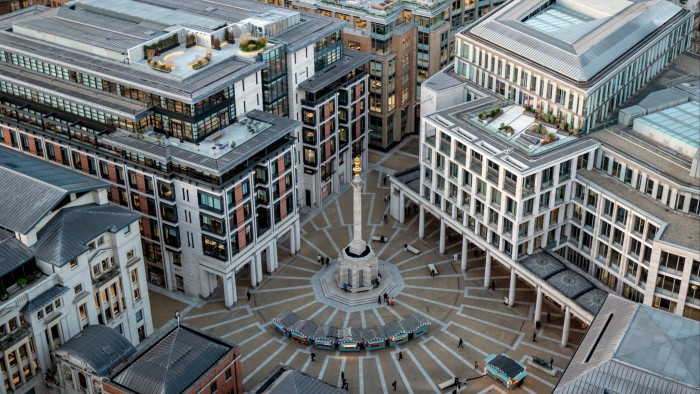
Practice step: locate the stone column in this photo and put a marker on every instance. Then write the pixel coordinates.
(230, 296)
(538, 305)
(258, 266)
(567, 324)
(421, 222)
(293, 240)
(511, 292)
(487, 270)
(270, 259)
(253, 273)
(297, 236)
(402, 207)
(357, 246)
(442, 237)
(465, 251)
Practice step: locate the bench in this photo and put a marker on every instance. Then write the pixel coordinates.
(542, 365)
(378, 238)
(411, 249)
(433, 270)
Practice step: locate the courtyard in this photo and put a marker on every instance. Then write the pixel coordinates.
(456, 304)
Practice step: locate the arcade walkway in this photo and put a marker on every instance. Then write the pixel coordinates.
(456, 304)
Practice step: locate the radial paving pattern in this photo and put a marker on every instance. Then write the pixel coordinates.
(456, 304)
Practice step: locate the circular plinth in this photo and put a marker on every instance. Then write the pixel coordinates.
(327, 291)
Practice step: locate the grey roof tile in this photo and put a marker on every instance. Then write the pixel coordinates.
(173, 363)
(285, 380)
(43, 299)
(34, 187)
(13, 253)
(632, 348)
(67, 234)
(607, 41)
(101, 347)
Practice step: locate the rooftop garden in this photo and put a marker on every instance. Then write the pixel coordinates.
(249, 44)
(523, 126)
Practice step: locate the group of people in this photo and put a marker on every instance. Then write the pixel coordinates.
(387, 300)
(324, 261)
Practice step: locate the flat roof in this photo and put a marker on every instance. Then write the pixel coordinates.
(507, 149)
(681, 228)
(215, 154)
(573, 38)
(647, 153)
(351, 60)
(681, 122)
(77, 38)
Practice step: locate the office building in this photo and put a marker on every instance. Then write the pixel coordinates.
(186, 112)
(573, 62)
(574, 217)
(409, 41)
(68, 259)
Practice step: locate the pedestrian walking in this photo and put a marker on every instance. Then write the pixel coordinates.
(551, 362)
(384, 180)
(493, 285)
(538, 325)
(476, 365)
(386, 217)
(549, 316)
(313, 356)
(328, 261)
(405, 247)
(385, 198)
(342, 375)
(392, 302)
(534, 336)
(319, 259)
(400, 356)
(394, 385)
(382, 240)
(455, 257)
(505, 300)
(248, 295)
(379, 300)
(386, 297)
(346, 386)
(461, 343)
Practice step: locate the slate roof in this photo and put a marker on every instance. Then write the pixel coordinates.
(173, 363)
(285, 380)
(66, 235)
(13, 253)
(34, 187)
(101, 347)
(618, 27)
(633, 348)
(43, 299)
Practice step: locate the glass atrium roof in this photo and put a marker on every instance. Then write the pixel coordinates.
(681, 122)
(563, 23)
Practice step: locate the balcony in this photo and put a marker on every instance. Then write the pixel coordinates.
(510, 186)
(460, 156)
(492, 175)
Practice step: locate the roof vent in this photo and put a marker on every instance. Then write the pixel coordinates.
(108, 350)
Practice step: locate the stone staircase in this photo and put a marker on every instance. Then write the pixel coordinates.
(333, 292)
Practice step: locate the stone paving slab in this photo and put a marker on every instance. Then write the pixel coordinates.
(455, 303)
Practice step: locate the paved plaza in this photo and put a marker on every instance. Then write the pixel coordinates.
(456, 304)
